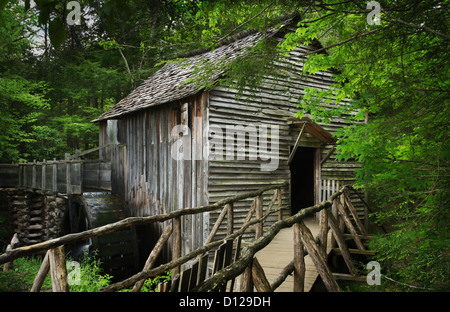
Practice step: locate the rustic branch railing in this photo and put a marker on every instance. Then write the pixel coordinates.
(245, 264)
(245, 261)
(304, 244)
(172, 229)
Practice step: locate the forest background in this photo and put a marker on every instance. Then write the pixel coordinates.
(56, 76)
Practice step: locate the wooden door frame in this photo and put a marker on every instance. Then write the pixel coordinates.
(317, 174)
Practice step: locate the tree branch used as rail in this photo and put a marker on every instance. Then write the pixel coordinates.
(63, 240)
(221, 277)
(177, 262)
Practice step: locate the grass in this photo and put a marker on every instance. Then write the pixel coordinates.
(151, 284)
(91, 277)
(21, 277)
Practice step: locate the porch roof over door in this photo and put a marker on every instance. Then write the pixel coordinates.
(313, 129)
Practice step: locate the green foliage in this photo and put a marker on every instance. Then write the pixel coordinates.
(247, 73)
(48, 101)
(48, 143)
(92, 277)
(151, 284)
(21, 277)
(22, 100)
(21, 103)
(57, 32)
(398, 75)
(418, 246)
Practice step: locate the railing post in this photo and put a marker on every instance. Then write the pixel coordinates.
(230, 221)
(337, 233)
(246, 280)
(217, 224)
(55, 176)
(24, 171)
(259, 214)
(33, 175)
(352, 210)
(14, 241)
(58, 269)
(176, 243)
(259, 277)
(280, 212)
(154, 254)
(340, 220)
(21, 176)
(41, 274)
(43, 176)
(68, 179)
(319, 261)
(349, 225)
(299, 261)
(324, 231)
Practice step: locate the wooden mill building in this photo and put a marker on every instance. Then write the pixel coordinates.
(152, 181)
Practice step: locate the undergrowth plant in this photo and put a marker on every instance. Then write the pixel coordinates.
(151, 284)
(21, 277)
(92, 278)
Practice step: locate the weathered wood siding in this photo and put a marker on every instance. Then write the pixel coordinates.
(155, 182)
(272, 104)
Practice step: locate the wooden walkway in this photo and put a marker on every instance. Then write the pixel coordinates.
(277, 255)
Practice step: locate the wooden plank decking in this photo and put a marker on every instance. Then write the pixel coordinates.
(277, 255)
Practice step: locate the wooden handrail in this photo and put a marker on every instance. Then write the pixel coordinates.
(177, 262)
(304, 243)
(35, 175)
(336, 221)
(112, 227)
(79, 154)
(248, 253)
(174, 229)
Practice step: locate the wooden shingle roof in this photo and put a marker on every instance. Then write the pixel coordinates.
(174, 81)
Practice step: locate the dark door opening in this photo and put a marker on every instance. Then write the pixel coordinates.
(302, 179)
